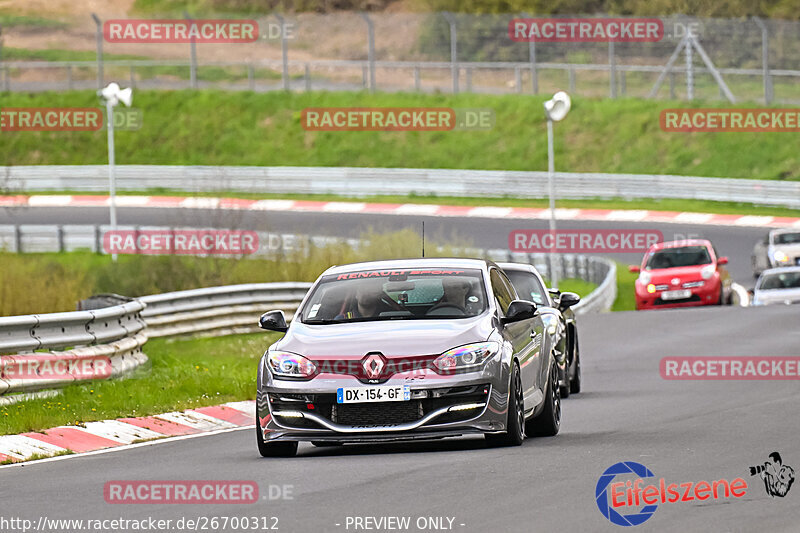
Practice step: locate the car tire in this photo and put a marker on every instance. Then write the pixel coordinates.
(548, 422)
(575, 382)
(274, 449)
(566, 386)
(515, 424)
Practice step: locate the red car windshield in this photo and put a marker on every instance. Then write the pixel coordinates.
(678, 257)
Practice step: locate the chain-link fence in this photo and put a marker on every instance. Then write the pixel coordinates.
(759, 60)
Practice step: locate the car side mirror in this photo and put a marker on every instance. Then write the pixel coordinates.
(634, 268)
(722, 261)
(273, 321)
(568, 299)
(519, 310)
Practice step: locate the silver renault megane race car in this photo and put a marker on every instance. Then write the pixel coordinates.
(407, 349)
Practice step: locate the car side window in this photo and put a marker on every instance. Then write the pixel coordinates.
(503, 293)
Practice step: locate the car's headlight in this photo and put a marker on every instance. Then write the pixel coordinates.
(645, 278)
(780, 256)
(467, 357)
(708, 271)
(290, 365)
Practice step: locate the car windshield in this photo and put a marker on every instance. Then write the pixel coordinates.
(396, 295)
(782, 280)
(787, 238)
(527, 286)
(678, 257)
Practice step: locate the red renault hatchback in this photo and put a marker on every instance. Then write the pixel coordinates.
(682, 274)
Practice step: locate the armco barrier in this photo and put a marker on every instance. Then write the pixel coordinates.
(398, 181)
(98, 338)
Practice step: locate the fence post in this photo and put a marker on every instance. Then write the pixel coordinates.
(469, 78)
(765, 60)
(532, 60)
(612, 70)
(99, 36)
(2, 70)
(689, 72)
(284, 53)
(417, 83)
(307, 75)
(453, 48)
(571, 72)
(518, 79)
(192, 54)
(622, 83)
(370, 49)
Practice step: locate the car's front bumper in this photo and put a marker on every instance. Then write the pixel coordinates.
(707, 294)
(439, 407)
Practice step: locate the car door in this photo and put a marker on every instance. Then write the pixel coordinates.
(525, 336)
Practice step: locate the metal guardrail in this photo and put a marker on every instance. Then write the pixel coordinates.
(218, 310)
(356, 182)
(111, 335)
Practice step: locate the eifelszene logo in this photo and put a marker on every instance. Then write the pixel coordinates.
(613, 499)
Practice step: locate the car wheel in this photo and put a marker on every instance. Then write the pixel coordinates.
(274, 449)
(515, 425)
(575, 382)
(548, 422)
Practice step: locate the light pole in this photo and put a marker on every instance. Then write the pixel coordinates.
(113, 95)
(555, 109)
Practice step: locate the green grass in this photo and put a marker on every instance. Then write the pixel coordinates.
(243, 128)
(578, 286)
(185, 373)
(8, 20)
(626, 301)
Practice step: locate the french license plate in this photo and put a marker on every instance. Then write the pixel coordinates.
(676, 295)
(381, 393)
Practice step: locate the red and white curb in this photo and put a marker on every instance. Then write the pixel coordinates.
(104, 434)
(434, 210)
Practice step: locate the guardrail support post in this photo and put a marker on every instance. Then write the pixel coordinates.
(60, 238)
(284, 53)
(17, 239)
(98, 240)
(192, 54)
(370, 49)
(453, 48)
(99, 36)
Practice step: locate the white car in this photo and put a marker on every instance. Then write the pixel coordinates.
(777, 286)
(780, 248)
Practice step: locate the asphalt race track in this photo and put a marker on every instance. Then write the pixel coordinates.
(682, 430)
(734, 241)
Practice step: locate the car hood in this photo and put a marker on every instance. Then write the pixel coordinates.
(390, 337)
(777, 296)
(788, 249)
(665, 275)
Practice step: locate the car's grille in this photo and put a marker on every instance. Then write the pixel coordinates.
(376, 414)
(693, 284)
